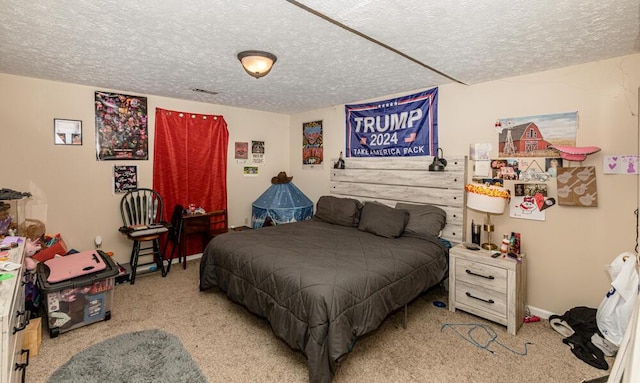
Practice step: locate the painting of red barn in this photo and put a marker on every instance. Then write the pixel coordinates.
(531, 136)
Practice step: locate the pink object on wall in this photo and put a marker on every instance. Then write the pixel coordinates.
(575, 153)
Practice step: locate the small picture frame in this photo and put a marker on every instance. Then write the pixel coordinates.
(67, 132)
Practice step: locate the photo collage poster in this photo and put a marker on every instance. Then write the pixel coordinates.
(121, 127)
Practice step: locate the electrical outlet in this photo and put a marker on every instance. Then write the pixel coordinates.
(246, 221)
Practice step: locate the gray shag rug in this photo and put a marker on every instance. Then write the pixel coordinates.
(142, 356)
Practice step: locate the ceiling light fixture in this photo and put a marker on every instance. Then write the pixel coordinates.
(257, 63)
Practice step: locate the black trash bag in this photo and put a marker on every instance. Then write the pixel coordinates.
(582, 322)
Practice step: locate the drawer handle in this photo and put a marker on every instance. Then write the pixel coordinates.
(25, 321)
(480, 299)
(23, 366)
(479, 275)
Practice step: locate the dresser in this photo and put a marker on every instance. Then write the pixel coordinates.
(13, 318)
(491, 288)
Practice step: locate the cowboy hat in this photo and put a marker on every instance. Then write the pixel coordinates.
(574, 153)
(281, 178)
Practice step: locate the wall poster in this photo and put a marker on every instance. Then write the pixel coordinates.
(121, 127)
(257, 152)
(125, 178)
(621, 164)
(312, 143)
(251, 171)
(400, 127)
(241, 150)
(577, 186)
(531, 136)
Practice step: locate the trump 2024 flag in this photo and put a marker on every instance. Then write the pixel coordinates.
(400, 127)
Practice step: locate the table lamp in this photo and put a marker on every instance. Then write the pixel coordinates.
(487, 199)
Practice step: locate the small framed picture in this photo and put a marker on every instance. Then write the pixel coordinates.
(67, 132)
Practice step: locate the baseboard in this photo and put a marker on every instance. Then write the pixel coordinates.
(189, 258)
(543, 314)
(151, 267)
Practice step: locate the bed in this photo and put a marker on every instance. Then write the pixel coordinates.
(325, 282)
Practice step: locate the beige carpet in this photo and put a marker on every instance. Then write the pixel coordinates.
(231, 345)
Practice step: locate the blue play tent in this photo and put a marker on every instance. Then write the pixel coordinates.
(281, 203)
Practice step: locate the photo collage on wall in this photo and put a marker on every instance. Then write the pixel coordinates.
(527, 164)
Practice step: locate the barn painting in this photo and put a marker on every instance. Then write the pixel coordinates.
(531, 136)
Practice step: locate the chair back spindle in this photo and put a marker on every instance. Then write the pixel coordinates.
(141, 207)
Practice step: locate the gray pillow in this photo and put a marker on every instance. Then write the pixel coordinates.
(423, 219)
(338, 211)
(383, 220)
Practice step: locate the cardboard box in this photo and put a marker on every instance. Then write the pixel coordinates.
(33, 336)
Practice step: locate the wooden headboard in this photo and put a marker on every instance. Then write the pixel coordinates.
(407, 179)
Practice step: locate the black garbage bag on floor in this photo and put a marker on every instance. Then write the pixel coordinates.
(578, 325)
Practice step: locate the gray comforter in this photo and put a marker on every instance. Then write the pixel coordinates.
(319, 285)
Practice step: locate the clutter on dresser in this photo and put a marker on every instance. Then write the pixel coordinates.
(13, 316)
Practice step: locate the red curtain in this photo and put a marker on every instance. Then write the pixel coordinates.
(190, 162)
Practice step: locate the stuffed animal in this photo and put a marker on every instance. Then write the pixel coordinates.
(31, 247)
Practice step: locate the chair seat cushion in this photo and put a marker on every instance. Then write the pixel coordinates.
(145, 232)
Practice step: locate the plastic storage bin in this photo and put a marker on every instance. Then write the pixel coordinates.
(77, 301)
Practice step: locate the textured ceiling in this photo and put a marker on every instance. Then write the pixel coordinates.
(168, 47)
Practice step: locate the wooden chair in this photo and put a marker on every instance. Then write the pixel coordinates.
(142, 222)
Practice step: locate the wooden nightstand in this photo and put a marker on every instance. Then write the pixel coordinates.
(492, 288)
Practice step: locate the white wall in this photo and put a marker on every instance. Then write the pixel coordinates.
(568, 252)
(72, 191)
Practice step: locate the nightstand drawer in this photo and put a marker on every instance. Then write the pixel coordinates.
(482, 275)
(481, 298)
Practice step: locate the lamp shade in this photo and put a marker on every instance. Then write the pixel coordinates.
(257, 63)
(485, 198)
